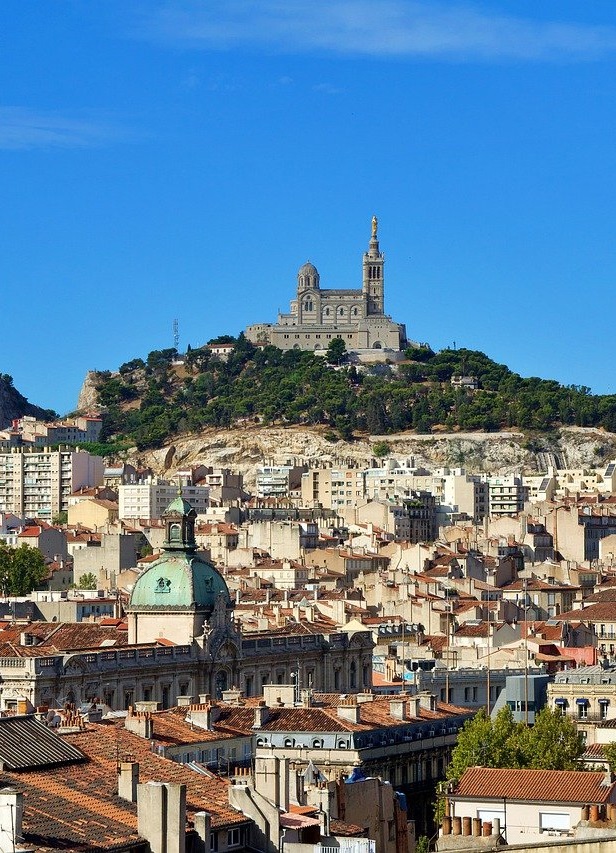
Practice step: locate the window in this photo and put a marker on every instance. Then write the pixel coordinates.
(213, 841)
(233, 838)
(554, 821)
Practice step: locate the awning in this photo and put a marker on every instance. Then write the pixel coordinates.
(581, 701)
(561, 701)
(603, 701)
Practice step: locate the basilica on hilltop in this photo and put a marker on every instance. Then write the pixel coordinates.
(357, 316)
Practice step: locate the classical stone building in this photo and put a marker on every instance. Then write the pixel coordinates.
(182, 641)
(357, 316)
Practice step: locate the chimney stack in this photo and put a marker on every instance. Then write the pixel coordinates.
(128, 779)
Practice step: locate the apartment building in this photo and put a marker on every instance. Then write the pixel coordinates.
(38, 483)
(150, 498)
(506, 495)
(279, 481)
(332, 488)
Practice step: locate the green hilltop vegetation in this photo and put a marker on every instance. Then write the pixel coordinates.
(148, 402)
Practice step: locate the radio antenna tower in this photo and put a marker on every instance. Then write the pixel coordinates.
(176, 334)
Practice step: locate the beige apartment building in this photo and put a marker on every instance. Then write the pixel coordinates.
(332, 488)
(38, 483)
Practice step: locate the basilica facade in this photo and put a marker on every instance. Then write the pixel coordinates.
(317, 315)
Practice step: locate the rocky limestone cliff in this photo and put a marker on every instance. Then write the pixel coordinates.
(505, 452)
(88, 396)
(14, 405)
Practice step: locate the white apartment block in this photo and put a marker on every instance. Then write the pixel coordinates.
(507, 495)
(38, 483)
(150, 499)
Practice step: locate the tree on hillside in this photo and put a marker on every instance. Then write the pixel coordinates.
(336, 351)
(21, 569)
(553, 743)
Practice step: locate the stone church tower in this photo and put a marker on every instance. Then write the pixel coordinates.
(373, 287)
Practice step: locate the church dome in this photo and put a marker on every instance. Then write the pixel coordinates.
(308, 269)
(307, 277)
(179, 581)
(180, 578)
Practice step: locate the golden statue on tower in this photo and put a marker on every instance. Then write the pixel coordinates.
(375, 225)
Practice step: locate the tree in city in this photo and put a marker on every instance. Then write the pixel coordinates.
(60, 517)
(552, 743)
(609, 751)
(87, 581)
(21, 569)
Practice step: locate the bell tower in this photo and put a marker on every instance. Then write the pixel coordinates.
(373, 280)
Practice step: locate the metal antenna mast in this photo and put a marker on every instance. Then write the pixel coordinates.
(176, 334)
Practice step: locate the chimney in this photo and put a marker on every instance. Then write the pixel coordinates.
(427, 700)
(128, 779)
(261, 715)
(414, 706)
(11, 814)
(184, 701)
(140, 723)
(203, 828)
(398, 709)
(232, 696)
(201, 717)
(161, 816)
(349, 710)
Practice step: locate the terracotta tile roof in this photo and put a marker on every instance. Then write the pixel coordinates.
(77, 808)
(547, 786)
(103, 743)
(467, 630)
(63, 636)
(602, 611)
(341, 827)
(172, 728)
(324, 717)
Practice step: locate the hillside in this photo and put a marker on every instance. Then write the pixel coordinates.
(242, 448)
(14, 405)
(150, 403)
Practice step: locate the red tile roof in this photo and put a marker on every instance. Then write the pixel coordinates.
(545, 786)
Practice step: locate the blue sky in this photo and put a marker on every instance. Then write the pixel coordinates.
(182, 159)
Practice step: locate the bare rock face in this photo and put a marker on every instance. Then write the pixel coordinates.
(499, 453)
(14, 405)
(88, 395)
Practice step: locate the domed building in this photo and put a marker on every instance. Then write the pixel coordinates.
(183, 643)
(317, 316)
(180, 586)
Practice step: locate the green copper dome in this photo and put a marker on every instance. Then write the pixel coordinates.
(180, 578)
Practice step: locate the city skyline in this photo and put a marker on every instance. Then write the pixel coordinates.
(183, 160)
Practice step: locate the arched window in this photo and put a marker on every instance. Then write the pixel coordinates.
(353, 674)
(175, 533)
(317, 743)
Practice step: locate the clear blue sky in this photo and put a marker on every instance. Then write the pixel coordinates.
(182, 159)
